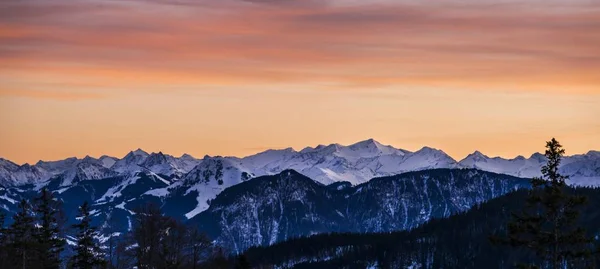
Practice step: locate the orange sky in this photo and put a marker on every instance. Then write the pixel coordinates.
(234, 77)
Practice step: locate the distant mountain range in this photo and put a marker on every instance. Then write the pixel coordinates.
(356, 163)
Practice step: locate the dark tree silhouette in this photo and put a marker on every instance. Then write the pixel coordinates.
(87, 252)
(242, 262)
(547, 224)
(3, 243)
(197, 245)
(21, 238)
(49, 236)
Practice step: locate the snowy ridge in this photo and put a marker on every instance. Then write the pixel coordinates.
(356, 163)
(85, 171)
(206, 181)
(582, 169)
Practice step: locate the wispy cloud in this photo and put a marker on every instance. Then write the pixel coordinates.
(54, 95)
(526, 45)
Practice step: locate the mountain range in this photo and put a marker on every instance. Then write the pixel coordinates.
(280, 194)
(242, 212)
(270, 209)
(356, 163)
(459, 241)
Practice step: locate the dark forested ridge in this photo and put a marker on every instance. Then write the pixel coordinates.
(461, 241)
(270, 209)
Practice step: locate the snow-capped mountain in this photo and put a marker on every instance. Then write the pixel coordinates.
(27, 174)
(159, 163)
(107, 161)
(206, 181)
(327, 164)
(7, 169)
(57, 167)
(168, 165)
(261, 199)
(583, 169)
(87, 169)
(131, 162)
(186, 162)
(356, 163)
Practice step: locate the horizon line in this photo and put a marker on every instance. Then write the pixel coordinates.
(266, 149)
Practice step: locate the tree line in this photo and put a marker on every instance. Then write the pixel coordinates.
(37, 238)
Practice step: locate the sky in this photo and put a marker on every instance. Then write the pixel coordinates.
(235, 77)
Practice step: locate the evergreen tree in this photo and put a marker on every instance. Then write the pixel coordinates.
(197, 245)
(547, 225)
(242, 262)
(217, 261)
(21, 238)
(49, 234)
(3, 243)
(147, 233)
(87, 254)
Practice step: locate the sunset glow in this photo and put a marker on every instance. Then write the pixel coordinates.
(237, 77)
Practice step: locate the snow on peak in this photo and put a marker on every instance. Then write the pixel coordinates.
(28, 174)
(168, 165)
(139, 152)
(90, 170)
(269, 157)
(155, 159)
(428, 150)
(107, 161)
(131, 162)
(57, 167)
(186, 156)
(208, 179)
(582, 169)
(8, 165)
(372, 148)
(538, 157)
(356, 163)
(426, 158)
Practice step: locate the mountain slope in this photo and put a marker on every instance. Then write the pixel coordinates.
(270, 209)
(460, 241)
(205, 181)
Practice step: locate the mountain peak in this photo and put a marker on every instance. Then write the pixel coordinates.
(88, 158)
(140, 152)
(2, 160)
(593, 153)
(366, 143)
(155, 158)
(538, 156)
(320, 146)
(136, 153)
(160, 154)
(186, 156)
(477, 154)
(427, 149)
